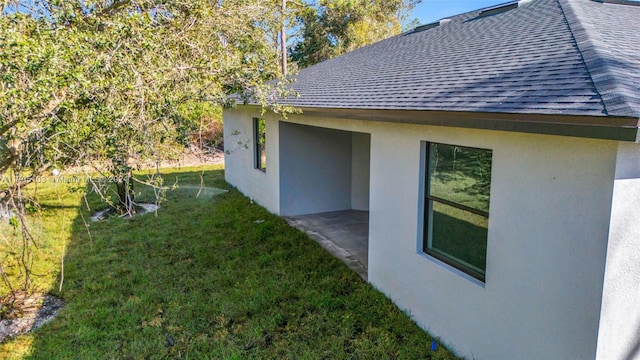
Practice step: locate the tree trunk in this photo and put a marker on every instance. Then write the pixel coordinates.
(124, 187)
(5, 212)
(283, 38)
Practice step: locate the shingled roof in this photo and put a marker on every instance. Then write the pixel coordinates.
(557, 57)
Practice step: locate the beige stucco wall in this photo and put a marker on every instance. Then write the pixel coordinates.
(548, 231)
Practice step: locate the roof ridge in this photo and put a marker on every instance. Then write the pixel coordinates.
(585, 46)
(596, 64)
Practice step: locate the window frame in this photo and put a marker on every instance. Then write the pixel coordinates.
(426, 209)
(260, 144)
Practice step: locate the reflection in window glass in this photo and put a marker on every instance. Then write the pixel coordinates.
(460, 235)
(260, 144)
(460, 174)
(457, 206)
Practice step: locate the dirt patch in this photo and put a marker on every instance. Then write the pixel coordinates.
(190, 157)
(27, 312)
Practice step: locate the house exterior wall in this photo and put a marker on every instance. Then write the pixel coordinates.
(547, 242)
(315, 169)
(547, 239)
(261, 186)
(620, 316)
(309, 156)
(360, 168)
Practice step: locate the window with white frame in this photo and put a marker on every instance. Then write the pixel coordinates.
(456, 206)
(260, 144)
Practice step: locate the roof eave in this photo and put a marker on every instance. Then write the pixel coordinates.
(595, 127)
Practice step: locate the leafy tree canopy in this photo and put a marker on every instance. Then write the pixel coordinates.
(101, 81)
(333, 27)
(104, 83)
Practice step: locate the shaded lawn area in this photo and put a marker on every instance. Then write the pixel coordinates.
(204, 278)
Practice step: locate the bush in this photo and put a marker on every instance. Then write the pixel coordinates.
(210, 136)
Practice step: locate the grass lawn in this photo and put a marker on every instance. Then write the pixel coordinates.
(204, 279)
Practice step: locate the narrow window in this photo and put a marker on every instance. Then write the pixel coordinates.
(260, 144)
(456, 213)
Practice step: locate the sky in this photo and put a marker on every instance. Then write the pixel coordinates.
(431, 10)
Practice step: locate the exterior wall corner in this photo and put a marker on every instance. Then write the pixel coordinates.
(260, 186)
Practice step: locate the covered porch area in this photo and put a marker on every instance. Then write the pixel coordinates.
(345, 234)
(324, 188)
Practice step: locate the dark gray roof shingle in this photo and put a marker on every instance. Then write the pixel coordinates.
(574, 57)
(608, 36)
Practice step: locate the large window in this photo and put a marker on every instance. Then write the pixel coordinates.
(260, 144)
(456, 206)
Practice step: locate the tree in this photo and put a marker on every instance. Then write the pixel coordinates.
(335, 27)
(108, 77)
(100, 82)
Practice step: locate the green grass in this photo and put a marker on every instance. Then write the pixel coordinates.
(52, 229)
(203, 280)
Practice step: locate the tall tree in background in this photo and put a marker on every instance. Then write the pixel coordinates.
(334, 27)
(283, 37)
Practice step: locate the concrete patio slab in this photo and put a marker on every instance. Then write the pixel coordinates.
(345, 234)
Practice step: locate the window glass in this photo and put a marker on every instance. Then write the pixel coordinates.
(260, 144)
(457, 206)
(460, 235)
(460, 174)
